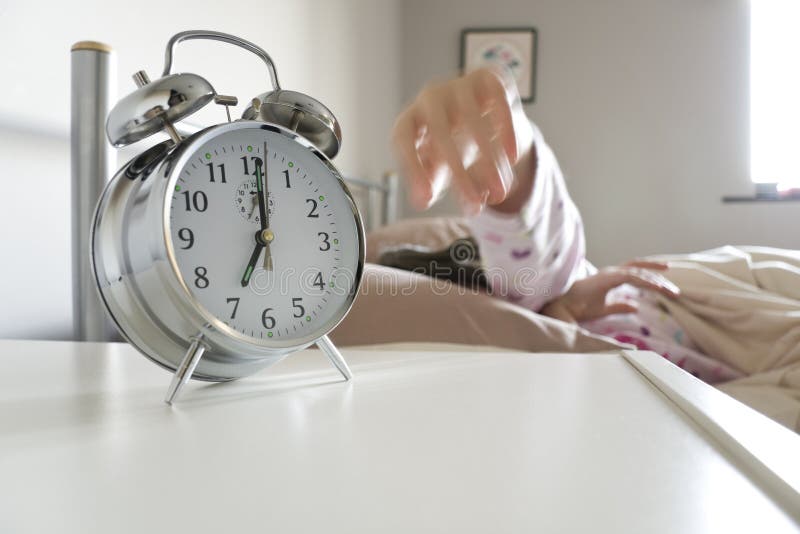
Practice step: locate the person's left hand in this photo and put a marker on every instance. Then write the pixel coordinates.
(586, 299)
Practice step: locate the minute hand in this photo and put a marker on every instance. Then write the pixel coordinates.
(266, 234)
(262, 194)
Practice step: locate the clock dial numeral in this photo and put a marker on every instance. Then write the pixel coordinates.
(187, 236)
(198, 201)
(201, 282)
(313, 213)
(267, 320)
(211, 173)
(257, 164)
(325, 245)
(297, 305)
(318, 281)
(235, 301)
(286, 175)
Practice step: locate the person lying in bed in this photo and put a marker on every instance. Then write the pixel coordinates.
(471, 134)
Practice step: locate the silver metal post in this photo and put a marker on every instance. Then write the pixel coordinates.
(93, 91)
(336, 358)
(140, 78)
(297, 116)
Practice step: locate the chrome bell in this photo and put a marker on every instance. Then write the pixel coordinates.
(300, 113)
(156, 106)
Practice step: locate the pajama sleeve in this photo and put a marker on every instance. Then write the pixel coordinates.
(535, 255)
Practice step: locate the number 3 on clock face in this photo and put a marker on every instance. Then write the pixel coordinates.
(281, 283)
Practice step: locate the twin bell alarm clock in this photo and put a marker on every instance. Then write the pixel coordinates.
(219, 253)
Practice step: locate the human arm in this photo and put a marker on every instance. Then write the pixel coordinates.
(528, 230)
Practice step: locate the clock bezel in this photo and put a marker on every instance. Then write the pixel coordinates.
(212, 326)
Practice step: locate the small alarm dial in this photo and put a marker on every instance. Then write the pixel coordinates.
(245, 202)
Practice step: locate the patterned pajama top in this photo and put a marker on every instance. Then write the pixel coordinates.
(535, 256)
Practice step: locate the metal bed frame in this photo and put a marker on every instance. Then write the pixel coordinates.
(377, 201)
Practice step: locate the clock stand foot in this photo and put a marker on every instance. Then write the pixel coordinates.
(327, 346)
(185, 369)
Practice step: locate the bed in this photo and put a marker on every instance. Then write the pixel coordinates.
(740, 304)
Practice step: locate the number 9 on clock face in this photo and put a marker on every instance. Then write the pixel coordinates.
(264, 236)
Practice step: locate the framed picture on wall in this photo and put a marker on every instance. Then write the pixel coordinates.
(513, 48)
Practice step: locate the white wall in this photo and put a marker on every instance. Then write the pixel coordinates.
(645, 103)
(343, 52)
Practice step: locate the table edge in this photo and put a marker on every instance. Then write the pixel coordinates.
(767, 450)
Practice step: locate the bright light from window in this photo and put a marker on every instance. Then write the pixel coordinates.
(775, 92)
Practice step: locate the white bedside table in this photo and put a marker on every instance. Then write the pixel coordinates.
(417, 442)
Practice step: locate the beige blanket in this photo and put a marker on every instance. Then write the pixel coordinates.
(741, 305)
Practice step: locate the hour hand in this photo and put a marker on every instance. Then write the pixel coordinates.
(251, 265)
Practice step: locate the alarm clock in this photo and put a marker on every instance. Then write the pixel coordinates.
(219, 253)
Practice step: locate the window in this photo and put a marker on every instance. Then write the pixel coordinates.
(775, 92)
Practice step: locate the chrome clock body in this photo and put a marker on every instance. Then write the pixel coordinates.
(145, 292)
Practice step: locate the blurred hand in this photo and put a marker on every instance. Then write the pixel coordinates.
(472, 133)
(586, 299)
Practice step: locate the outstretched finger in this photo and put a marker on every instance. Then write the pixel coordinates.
(619, 307)
(497, 97)
(492, 172)
(652, 281)
(404, 138)
(648, 264)
(441, 140)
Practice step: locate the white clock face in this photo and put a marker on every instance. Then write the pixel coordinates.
(281, 283)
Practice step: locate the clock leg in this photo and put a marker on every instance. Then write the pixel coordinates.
(185, 369)
(327, 346)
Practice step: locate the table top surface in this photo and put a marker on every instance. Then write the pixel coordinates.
(416, 442)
